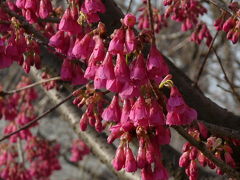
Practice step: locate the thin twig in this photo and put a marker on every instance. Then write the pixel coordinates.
(37, 119)
(129, 6)
(205, 59)
(235, 93)
(30, 86)
(224, 89)
(150, 16)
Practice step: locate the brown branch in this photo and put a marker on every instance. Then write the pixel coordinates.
(28, 125)
(222, 131)
(29, 86)
(151, 20)
(129, 6)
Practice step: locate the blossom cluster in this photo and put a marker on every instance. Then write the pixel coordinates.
(231, 25)
(79, 149)
(15, 45)
(143, 19)
(188, 12)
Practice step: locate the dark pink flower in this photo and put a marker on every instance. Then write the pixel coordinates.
(139, 113)
(98, 53)
(108, 67)
(160, 172)
(113, 111)
(100, 79)
(45, 8)
(130, 40)
(114, 85)
(84, 47)
(156, 64)
(116, 132)
(163, 135)
(179, 113)
(116, 45)
(69, 24)
(126, 122)
(138, 71)
(94, 6)
(146, 173)
(91, 71)
(156, 116)
(129, 20)
(129, 90)
(130, 162)
(20, 3)
(119, 160)
(141, 156)
(121, 69)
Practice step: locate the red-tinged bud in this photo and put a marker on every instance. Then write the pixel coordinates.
(193, 153)
(116, 132)
(129, 20)
(193, 169)
(211, 164)
(130, 162)
(219, 171)
(203, 129)
(150, 153)
(141, 157)
(202, 159)
(235, 37)
(119, 160)
(186, 147)
(83, 122)
(229, 24)
(184, 160)
(229, 160)
(146, 173)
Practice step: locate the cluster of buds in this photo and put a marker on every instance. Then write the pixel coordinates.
(188, 12)
(43, 157)
(143, 19)
(49, 85)
(34, 9)
(79, 149)
(16, 46)
(10, 167)
(232, 25)
(18, 110)
(200, 33)
(94, 103)
(191, 155)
